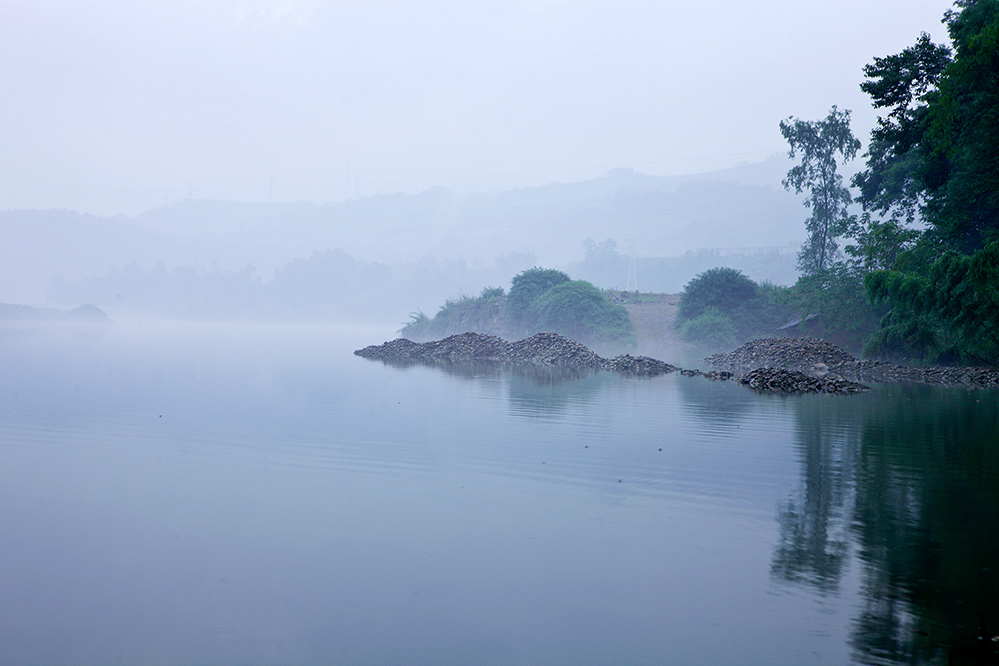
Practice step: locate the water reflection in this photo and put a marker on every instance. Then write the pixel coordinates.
(716, 402)
(188, 485)
(910, 476)
(548, 392)
(814, 545)
(533, 390)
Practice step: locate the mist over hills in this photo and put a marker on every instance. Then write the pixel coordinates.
(389, 254)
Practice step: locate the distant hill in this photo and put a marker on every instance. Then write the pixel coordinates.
(459, 241)
(85, 313)
(744, 206)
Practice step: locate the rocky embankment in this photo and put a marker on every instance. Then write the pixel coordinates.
(558, 351)
(542, 349)
(779, 380)
(554, 350)
(824, 361)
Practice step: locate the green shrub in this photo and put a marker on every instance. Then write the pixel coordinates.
(580, 311)
(726, 290)
(418, 326)
(711, 327)
(481, 313)
(721, 306)
(846, 315)
(547, 300)
(526, 287)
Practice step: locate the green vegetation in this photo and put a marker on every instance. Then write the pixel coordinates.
(539, 300)
(918, 278)
(580, 311)
(819, 142)
(482, 313)
(722, 307)
(526, 288)
(935, 157)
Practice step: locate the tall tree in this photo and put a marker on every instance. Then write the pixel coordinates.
(821, 144)
(903, 83)
(936, 154)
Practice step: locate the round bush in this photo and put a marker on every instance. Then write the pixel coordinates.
(710, 327)
(580, 311)
(526, 287)
(726, 290)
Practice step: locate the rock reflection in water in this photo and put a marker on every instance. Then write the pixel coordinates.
(534, 390)
(547, 391)
(715, 402)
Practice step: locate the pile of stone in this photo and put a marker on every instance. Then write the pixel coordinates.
(641, 366)
(804, 354)
(882, 371)
(549, 349)
(779, 380)
(787, 365)
(465, 347)
(542, 349)
(824, 360)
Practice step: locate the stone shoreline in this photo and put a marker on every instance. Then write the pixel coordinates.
(542, 349)
(784, 365)
(823, 360)
(557, 351)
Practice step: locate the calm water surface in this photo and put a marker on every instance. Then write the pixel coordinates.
(190, 494)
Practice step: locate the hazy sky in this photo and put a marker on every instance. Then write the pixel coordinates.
(113, 107)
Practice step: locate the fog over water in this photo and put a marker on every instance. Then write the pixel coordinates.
(233, 494)
(207, 205)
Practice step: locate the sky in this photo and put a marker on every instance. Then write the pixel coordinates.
(117, 107)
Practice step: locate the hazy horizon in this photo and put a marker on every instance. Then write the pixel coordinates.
(117, 108)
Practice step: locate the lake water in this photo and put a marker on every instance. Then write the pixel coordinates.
(195, 494)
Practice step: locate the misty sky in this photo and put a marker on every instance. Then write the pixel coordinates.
(116, 107)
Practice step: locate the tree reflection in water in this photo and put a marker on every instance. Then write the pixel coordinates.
(907, 478)
(814, 545)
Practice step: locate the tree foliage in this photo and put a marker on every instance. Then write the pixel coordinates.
(952, 309)
(844, 315)
(821, 144)
(891, 184)
(549, 300)
(580, 311)
(724, 289)
(722, 307)
(526, 287)
(934, 158)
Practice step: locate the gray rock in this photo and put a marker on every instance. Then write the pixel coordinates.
(542, 349)
(823, 360)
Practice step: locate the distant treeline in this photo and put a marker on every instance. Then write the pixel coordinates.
(328, 285)
(332, 285)
(606, 266)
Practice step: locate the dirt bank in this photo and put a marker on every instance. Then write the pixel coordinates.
(654, 317)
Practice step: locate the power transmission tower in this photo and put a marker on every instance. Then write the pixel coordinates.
(632, 270)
